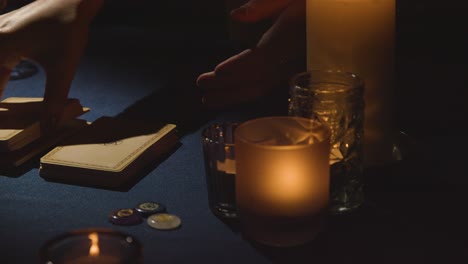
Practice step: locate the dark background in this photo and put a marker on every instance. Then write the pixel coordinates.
(432, 41)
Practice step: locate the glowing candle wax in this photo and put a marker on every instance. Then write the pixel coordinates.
(358, 36)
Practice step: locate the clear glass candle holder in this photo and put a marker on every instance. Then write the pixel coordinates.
(336, 99)
(282, 179)
(103, 246)
(220, 168)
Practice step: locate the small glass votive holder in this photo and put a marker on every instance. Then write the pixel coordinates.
(282, 180)
(103, 246)
(220, 167)
(336, 99)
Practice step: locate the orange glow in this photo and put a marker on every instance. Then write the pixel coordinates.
(289, 182)
(228, 166)
(94, 249)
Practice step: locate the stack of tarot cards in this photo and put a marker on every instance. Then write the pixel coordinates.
(21, 137)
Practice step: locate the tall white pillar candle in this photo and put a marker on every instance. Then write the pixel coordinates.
(358, 36)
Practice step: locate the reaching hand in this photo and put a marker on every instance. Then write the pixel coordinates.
(54, 34)
(260, 70)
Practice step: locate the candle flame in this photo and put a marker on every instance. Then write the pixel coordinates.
(94, 249)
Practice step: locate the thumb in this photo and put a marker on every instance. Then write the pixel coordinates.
(58, 81)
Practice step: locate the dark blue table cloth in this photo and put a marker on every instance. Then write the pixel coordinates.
(414, 211)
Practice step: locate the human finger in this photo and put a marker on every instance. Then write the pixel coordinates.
(58, 81)
(227, 91)
(244, 63)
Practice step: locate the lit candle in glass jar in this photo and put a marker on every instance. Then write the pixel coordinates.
(94, 255)
(282, 181)
(88, 246)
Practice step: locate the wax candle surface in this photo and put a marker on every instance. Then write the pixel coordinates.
(358, 36)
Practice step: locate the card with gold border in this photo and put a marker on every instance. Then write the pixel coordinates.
(109, 153)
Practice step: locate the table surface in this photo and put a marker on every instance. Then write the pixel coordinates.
(414, 210)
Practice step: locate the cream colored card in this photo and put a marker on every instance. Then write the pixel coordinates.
(19, 120)
(18, 157)
(108, 145)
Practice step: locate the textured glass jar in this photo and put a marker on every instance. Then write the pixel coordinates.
(336, 99)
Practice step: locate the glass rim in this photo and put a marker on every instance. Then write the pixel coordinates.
(208, 139)
(355, 81)
(327, 133)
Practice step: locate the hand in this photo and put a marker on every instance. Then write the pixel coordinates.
(260, 70)
(54, 34)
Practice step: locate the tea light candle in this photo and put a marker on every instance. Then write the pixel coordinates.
(358, 36)
(94, 260)
(89, 246)
(282, 181)
(94, 255)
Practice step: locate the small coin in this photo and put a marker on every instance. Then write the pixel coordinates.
(149, 208)
(124, 212)
(124, 217)
(164, 221)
